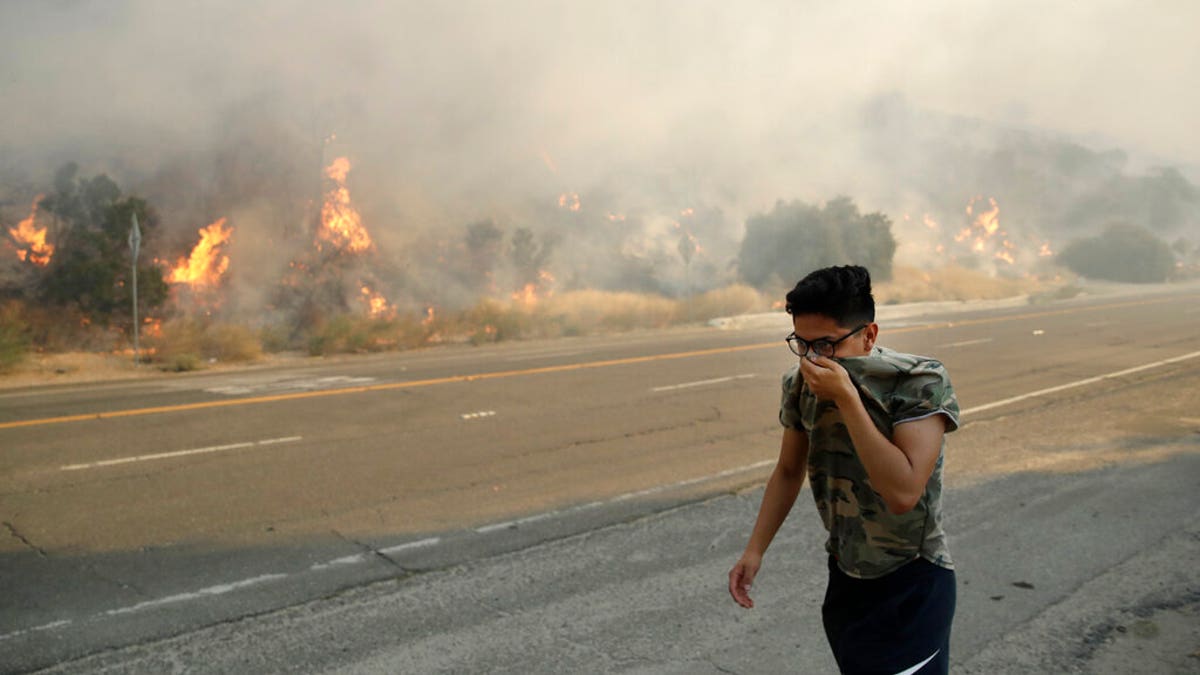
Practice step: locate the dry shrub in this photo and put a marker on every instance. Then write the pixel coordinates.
(350, 334)
(909, 284)
(590, 311)
(493, 321)
(14, 336)
(729, 301)
(186, 343)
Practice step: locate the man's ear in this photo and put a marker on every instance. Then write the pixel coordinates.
(871, 333)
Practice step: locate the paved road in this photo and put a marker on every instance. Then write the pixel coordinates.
(501, 497)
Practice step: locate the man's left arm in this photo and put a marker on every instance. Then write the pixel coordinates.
(899, 469)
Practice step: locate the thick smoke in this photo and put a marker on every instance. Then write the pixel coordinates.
(609, 131)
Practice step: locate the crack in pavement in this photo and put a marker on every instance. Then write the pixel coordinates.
(367, 548)
(20, 537)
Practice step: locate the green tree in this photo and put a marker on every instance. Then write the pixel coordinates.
(90, 269)
(795, 238)
(1122, 252)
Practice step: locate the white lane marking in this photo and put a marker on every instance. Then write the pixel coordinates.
(338, 562)
(304, 384)
(420, 543)
(1078, 383)
(1039, 332)
(219, 589)
(354, 559)
(363, 557)
(964, 343)
(477, 415)
(700, 383)
(47, 626)
(179, 453)
(622, 497)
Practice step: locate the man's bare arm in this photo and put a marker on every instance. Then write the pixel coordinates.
(898, 469)
(782, 488)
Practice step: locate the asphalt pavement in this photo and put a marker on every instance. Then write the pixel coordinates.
(573, 506)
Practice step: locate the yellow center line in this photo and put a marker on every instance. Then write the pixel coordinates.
(156, 410)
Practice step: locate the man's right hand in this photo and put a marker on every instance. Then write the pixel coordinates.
(742, 576)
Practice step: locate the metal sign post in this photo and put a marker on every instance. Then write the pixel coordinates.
(135, 243)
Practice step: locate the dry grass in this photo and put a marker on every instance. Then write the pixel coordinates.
(186, 344)
(909, 284)
(37, 369)
(587, 311)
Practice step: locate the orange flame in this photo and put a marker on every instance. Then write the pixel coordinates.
(984, 225)
(152, 327)
(206, 263)
(341, 225)
(529, 294)
(428, 320)
(377, 305)
(569, 201)
(33, 238)
(989, 220)
(1045, 251)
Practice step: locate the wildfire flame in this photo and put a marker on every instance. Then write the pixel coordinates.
(36, 250)
(569, 201)
(341, 225)
(528, 295)
(377, 305)
(152, 327)
(206, 263)
(985, 224)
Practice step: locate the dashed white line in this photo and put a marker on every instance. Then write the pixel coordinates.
(1078, 383)
(622, 497)
(701, 383)
(420, 543)
(361, 557)
(47, 626)
(179, 453)
(219, 589)
(965, 343)
(477, 415)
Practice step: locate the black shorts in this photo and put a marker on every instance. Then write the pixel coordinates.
(898, 623)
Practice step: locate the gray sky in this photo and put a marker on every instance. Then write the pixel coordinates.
(536, 96)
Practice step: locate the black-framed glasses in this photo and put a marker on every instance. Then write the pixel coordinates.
(822, 347)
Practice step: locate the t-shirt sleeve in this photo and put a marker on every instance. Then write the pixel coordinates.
(789, 404)
(925, 392)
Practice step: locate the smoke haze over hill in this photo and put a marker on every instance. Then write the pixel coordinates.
(608, 129)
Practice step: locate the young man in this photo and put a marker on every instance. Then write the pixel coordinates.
(866, 424)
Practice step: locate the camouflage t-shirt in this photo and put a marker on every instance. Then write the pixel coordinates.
(867, 540)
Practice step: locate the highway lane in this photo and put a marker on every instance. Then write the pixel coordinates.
(423, 466)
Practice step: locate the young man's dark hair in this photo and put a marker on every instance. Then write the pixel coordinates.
(866, 426)
(841, 293)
